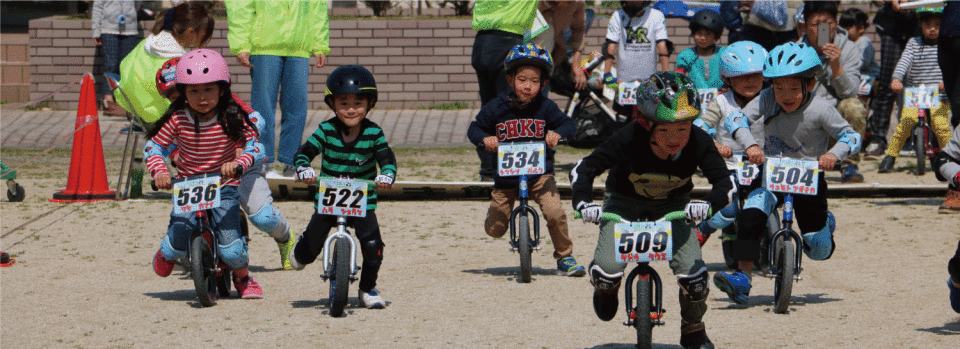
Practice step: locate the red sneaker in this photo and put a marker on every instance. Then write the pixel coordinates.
(249, 288)
(162, 266)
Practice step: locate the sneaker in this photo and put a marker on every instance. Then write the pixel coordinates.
(886, 165)
(694, 336)
(285, 248)
(851, 174)
(292, 258)
(272, 174)
(954, 295)
(736, 285)
(289, 171)
(567, 266)
(952, 202)
(162, 266)
(605, 303)
(372, 299)
(248, 289)
(136, 130)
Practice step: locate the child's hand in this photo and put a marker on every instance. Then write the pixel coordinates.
(942, 88)
(725, 151)
(230, 169)
(827, 161)
(755, 154)
(385, 181)
(491, 143)
(897, 86)
(162, 181)
(306, 175)
(552, 139)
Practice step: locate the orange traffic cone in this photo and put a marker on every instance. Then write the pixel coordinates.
(87, 180)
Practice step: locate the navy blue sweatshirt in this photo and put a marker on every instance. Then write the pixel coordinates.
(501, 118)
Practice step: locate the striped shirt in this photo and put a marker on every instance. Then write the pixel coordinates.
(918, 64)
(351, 160)
(204, 152)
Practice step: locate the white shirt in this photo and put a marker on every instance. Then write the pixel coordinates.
(637, 49)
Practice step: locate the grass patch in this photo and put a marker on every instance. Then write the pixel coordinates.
(458, 105)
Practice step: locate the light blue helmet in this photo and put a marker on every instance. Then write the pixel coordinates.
(742, 58)
(792, 59)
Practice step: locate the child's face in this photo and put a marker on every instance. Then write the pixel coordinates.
(854, 32)
(704, 38)
(671, 138)
(526, 83)
(203, 98)
(788, 92)
(930, 28)
(747, 85)
(351, 108)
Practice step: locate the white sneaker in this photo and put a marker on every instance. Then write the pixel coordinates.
(372, 300)
(273, 174)
(293, 259)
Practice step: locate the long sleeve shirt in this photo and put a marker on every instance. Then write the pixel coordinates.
(105, 17)
(918, 64)
(278, 28)
(847, 85)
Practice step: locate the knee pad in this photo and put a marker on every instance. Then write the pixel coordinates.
(234, 254)
(267, 219)
(170, 253)
(153, 148)
(938, 161)
(720, 220)
(372, 252)
(695, 286)
(603, 281)
(819, 245)
(761, 199)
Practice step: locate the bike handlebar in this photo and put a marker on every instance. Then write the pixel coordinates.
(613, 217)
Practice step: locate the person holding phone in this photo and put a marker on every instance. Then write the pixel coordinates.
(839, 80)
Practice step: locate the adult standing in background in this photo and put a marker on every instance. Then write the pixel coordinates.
(767, 22)
(276, 39)
(948, 50)
(116, 31)
(561, 16)
(500, 25)
(895, 27)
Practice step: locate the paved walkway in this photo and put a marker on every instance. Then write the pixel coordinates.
(403, 128)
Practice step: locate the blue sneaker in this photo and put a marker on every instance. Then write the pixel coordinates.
(851, 174)
(568, 266)
(954, 295)
(736, 285)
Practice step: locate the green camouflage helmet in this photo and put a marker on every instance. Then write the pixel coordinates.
(668, 97)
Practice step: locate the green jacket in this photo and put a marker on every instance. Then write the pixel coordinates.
(138, 80)
(278, 28)
(514, 16)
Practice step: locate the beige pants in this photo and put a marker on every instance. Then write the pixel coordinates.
(544, 192)
(855, 112)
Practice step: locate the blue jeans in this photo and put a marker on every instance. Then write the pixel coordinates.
(115, 48)
(226, 220)
(286, 76)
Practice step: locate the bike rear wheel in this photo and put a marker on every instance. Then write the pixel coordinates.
(203, 269)
(523, 242)
(920, 147)
(785, 261)
(643, 323)
(223, 282)
(340, 281)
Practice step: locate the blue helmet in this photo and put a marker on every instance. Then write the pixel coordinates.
(529, 54)
(792, 59)
(742, 58)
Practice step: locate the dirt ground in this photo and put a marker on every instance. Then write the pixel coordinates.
(83, 278)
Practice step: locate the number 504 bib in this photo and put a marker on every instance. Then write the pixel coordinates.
(791, 176)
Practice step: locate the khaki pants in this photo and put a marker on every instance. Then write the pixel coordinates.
(855, 112)
(544, 192)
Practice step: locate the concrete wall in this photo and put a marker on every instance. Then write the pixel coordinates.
(416, 62)
(14, 68)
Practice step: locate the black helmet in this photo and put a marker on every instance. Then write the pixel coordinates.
(350, 79)
(707, 19)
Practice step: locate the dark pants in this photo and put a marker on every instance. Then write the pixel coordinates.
(809, 212)
(490, 48)
(766, 38)
(115, 48)
(366, 228)
(947, 51)
(890, 50)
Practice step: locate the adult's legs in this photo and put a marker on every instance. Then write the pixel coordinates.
(265, 78)
(947, 51)
(293, 106)
(110, 47)
(890, 51)
(490, 48)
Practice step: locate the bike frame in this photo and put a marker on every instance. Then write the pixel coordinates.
(924, 124)
(787, 232)
(341, 233)
(644, 270)
(524, 207)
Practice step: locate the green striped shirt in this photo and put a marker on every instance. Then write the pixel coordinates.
(357, 160)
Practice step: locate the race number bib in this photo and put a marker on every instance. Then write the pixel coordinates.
(866, 85)
(643, 242)
(792, 176)
(628, 93)
(921, 97)
(746, 171)
(196, 194)
(706, 95)
(515, 159)
(342, 197)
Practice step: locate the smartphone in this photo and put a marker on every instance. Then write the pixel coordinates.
(823, 34)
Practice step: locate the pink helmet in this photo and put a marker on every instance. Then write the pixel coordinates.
(202, 66)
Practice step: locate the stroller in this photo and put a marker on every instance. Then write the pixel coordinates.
(595, 120)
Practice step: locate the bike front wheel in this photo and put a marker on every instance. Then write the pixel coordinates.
(203, 269)
(643, 323)
(785, 261)
(340, 281)
(523, 242)
(920, 147)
